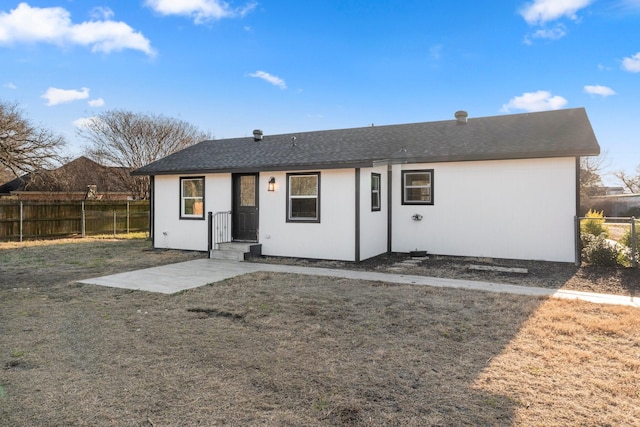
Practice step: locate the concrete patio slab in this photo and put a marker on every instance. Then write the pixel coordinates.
(172, 278)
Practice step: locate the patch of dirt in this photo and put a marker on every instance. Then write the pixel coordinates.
(553, 275)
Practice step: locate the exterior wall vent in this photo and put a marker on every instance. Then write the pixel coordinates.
(461, 117)
(257, 135)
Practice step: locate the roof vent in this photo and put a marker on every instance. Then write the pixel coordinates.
(257, 135)
(461, 117)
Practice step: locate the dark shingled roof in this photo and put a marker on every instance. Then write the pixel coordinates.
(561, 133)
(73, 176)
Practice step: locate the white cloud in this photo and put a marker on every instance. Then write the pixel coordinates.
(632, 63)
(276, 81)
(96, 102)
(541, 100)
(101, 12)
(542, 11)
(200, 10)
(10, 85)
(599, 90)
(55, 96)
(550, 33)
(53, 25)
(629, 5)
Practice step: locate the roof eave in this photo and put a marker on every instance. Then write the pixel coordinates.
(372, 163)
(252, 169)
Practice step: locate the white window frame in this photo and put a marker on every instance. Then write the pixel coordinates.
(183, 198)
(290, 197)
(406, 198)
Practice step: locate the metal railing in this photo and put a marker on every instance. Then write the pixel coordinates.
(219, 228)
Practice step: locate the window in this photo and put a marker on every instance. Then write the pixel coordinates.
(247, 191)
(375, 191)
(417, 187)
(303, 197)
(192, 198)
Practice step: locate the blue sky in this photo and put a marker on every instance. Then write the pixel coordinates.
(288, 66)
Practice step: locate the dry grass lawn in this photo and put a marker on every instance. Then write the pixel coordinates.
(288, 350)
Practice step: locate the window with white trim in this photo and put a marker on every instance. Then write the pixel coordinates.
(303, 197)
(375, 192)
(192, 198)
(417, 187)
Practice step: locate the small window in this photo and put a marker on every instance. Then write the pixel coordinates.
(247, 191)
(375, 191)
(192, 198)
(303, 197)
(417, 187)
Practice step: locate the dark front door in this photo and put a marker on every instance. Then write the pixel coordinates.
(245, 207)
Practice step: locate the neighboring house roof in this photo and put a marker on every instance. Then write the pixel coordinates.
(558, 133)
(74, 176)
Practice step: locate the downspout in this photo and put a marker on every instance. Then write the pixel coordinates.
(152, 211)
(389, 210)
(578, 255)
(357, 222)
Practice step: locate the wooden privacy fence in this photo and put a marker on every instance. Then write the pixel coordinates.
(34, 220)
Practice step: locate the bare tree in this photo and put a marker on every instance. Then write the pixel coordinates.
(591, 169)
(24, 147)
(630, 182)
(5, 175)
(131, 140)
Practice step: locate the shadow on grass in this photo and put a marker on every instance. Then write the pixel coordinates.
(261, 349)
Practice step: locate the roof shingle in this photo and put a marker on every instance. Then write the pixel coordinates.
(560, 133)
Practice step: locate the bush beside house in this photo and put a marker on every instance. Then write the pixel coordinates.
(598, 249)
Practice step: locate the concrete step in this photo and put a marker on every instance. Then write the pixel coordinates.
(228, 255)
(237, 251)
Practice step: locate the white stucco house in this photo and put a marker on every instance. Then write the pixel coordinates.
(501, 187)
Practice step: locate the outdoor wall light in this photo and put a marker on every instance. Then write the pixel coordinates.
(272, 184)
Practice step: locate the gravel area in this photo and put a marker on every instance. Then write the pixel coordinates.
(554, 275)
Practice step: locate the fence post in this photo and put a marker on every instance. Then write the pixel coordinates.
(21, 220)
(634, 264)
(210, 228)
(578, 244)
(82, 219)
(128, 217)
(114, 223)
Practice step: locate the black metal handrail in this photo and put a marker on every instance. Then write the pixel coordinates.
(220, 228)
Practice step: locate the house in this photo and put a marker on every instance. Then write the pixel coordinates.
(616, 205)
(80, 179)
(503, 187)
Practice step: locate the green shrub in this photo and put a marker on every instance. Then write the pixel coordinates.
(597, 250)
(594, 224)
(585, 240)
(627, 240)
